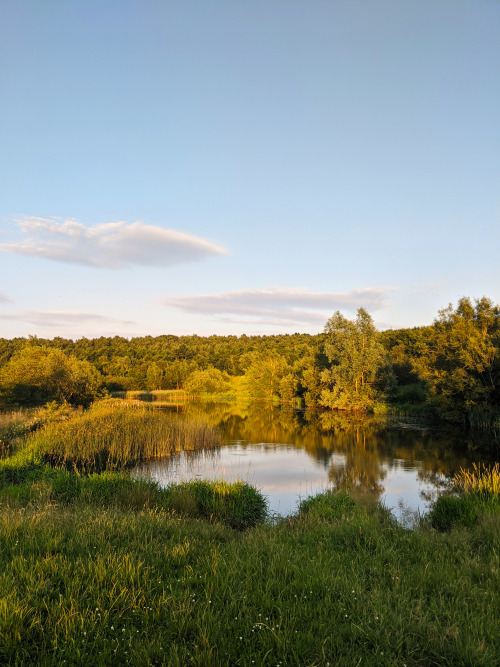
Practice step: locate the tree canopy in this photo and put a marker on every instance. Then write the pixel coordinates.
(357, 357)
(36, 375)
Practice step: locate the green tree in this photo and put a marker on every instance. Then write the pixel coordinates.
(37, 375)
(207, 381)
(288, 386)
(460, 359)
(154, 376)
(357, 359)
(265, 374)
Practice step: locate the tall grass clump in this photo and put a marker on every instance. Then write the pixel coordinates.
(113, 437)
(481, 481)
(328, 505)
(236, 504)
(473, 493)
(484, 419)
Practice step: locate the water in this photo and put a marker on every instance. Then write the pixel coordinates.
(290, 455)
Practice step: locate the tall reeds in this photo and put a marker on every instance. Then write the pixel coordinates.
(481, 480)
(113, 437)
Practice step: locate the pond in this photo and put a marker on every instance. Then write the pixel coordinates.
(290, 454)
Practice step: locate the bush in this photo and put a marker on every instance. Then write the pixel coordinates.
(208, 381)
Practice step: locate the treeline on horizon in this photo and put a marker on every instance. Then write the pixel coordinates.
(450, 369)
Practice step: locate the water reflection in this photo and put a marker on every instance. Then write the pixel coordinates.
(290, 454)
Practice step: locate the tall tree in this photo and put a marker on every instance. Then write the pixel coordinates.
(460, 359)
(357, 357)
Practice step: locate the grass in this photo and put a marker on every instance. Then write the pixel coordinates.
(110, 577)
(236, 504)
(114, 436)
(481, 481)
(472, 492)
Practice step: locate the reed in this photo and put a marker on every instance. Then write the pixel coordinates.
(484, 419)
(118, 436)
(472, 493)
(482, 480)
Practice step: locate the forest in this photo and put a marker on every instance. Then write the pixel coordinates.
(449, 370)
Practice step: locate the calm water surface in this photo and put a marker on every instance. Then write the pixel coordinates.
(290, 454)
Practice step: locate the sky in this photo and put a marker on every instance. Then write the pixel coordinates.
(220, 167)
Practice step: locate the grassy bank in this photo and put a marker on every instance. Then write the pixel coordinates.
(107, 570)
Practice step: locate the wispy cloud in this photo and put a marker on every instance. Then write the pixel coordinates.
(4, 298)
(114, 245)
(279, 305)
(436, 288)
(56, 318)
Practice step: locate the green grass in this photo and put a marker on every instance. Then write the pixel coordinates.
(472, 492)
(236, 504)
(108, 577)
(482, 481)
(114, 436)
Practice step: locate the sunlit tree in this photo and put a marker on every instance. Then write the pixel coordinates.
(460, 359)
(357, 358)
(36, 375)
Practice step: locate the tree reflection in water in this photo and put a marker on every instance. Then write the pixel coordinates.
(352, 450)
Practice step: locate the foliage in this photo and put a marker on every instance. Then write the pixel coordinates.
(450, 369)
(207, 381)
(154, 376)
(265, 376)
(37, 374)
(459, 359)
(357, 359)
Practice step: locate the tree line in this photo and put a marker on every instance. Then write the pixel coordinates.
(450, 368)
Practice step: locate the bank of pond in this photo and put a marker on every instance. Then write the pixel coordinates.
(101, 566)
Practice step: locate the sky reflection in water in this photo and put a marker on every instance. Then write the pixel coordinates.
(289, 455)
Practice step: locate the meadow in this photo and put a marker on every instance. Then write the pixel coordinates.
(99, 568)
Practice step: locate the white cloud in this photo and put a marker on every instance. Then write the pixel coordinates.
(4, 298)
(61, 319)
(115, 245)
(279, 305)
(435, 288)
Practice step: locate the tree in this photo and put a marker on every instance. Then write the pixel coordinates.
(36, 375)
(265, 374)
(208, 381)
(154, 376)
(460, 359)
(357, 360)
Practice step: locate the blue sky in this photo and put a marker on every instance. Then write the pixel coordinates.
(223, 167)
